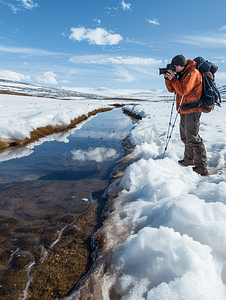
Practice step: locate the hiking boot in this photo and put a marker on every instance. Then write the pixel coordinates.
(201, 171)
(186, 162)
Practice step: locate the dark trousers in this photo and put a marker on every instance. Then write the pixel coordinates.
(189, 132)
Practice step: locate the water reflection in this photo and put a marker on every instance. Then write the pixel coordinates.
(14, 153)
(50, 197)
(69, 175)
(98, 154)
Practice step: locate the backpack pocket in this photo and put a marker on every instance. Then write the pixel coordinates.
(190, 105)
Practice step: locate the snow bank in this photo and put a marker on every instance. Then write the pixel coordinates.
(28, 113)
(168, 266)
(175, 242)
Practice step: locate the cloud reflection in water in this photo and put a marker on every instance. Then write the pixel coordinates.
(98, 154)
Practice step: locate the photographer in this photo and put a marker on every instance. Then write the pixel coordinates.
(183, 78)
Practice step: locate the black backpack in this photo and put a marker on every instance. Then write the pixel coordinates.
(210, 93)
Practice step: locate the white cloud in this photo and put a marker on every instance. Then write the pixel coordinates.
(115, 60)
(110, 8)
(14, 9)
(216, 41)
(154, 22)
(98, 21)
(27, 51)
(47, 77)
(78, 33)
(21, 4)
(222, 28)
(10, 75)
(98, 36)
(65, 81)
(125, 75)
(220, 75)
(72, 72)
(126, 6)
(135, 42)
(29, 4)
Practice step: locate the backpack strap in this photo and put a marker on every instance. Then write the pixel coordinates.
(195, 94)
(199, 102)
(189, 69)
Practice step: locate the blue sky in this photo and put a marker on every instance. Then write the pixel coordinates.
(113, 44)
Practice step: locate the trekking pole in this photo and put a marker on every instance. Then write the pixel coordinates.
(171, 114)
(170, 135)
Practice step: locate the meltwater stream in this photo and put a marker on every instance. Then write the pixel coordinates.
(50, 199)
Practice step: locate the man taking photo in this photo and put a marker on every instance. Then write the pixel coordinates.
(184, 81)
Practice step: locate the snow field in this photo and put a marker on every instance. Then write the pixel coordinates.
(168, 227)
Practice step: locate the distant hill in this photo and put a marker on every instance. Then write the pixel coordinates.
(22, 88)
(42, 91)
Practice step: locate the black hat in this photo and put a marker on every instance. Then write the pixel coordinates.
(179, 60)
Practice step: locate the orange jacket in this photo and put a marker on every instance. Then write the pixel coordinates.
(190, 80)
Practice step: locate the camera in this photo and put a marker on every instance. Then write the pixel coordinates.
(168, 67)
